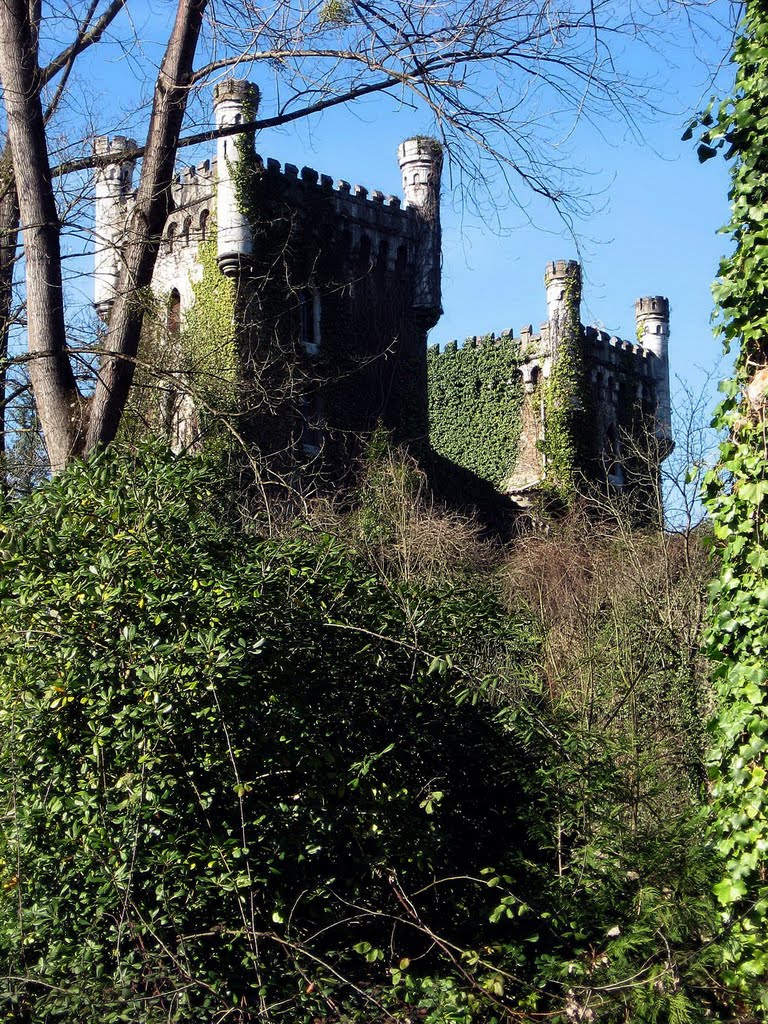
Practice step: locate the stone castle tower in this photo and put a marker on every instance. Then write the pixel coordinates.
(610, 396)
(334, 288)
(332, 292)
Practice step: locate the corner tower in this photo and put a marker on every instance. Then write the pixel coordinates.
(652, 319)
(114, 192)
(562, 280)
(235, 101)
(421, 165)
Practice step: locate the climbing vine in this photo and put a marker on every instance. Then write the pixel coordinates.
(475, 400)
(736, 493)
(564, 403)
(209, 332)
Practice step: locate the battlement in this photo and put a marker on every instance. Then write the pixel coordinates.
(561, 269)
(356, 201)
(196, 184)
(449, 348)
(116, 146)
(652, 305)
(236, 90)
(613, 351)
(420, 148)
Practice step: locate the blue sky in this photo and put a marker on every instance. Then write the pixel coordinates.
(653, 229)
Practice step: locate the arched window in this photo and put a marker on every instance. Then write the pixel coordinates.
(186, 230)
(173, 322)
(170, 236)
(204, 223)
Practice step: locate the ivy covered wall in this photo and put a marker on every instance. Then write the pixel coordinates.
(208, 338)
(475, 402)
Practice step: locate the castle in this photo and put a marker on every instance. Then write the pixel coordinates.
(300, 307)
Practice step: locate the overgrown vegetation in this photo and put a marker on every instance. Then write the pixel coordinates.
(475, 398)
(736, 492)
(306, 778)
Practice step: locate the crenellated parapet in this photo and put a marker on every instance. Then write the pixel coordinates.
(367, 227)
(618, 395)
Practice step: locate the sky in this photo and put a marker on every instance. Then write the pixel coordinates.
(652, 230)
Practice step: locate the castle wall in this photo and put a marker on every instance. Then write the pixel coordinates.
(610, 403)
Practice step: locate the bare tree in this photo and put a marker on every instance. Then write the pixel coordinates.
(493, 74)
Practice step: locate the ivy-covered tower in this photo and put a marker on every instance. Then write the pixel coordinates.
(302, 318)
(562, 281)
(234, 102)
(567, 408)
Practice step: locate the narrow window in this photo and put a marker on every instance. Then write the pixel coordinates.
(310, 311)
(311, 436)
(174, 314)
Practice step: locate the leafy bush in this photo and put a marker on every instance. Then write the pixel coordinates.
(215, 748)
(252, 778)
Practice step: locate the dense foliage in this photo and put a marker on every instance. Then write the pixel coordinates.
(252, 777)
(475, 397)
(736, 495)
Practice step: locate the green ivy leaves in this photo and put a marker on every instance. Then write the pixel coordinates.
(735, 494)
(475, 400)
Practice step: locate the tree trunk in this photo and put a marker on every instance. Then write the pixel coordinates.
(147, 220)
(9, 236)
(53, 380)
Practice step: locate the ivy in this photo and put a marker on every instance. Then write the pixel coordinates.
(735, 493)
(564, 403)
(209, 332)
(475, 400)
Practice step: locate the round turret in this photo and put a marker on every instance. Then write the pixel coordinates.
(652, 319)
(234, 102)
(421, 165)
(562, 280)
(114, 189)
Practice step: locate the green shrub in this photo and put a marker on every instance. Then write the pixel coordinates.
(215, 747)
(249, 778)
